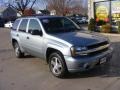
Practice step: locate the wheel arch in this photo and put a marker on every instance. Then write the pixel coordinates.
(49, 51)
(13, 41)
(17, 41)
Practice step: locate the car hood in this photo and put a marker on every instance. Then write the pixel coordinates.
(81, 38)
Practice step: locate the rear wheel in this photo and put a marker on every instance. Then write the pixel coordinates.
(17, 50)
(57, 65)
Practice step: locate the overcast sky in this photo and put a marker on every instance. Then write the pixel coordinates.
(41, 3)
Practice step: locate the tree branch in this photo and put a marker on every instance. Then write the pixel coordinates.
(32, 4)
(15, 8)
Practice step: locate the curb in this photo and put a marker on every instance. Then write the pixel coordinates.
(108, 34)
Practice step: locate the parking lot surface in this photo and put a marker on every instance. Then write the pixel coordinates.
(32, 73)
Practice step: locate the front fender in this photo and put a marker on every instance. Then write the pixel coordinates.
(64, 49)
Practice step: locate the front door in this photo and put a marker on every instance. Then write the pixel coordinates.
(35, 42)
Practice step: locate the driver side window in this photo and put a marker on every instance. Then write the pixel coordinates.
(33, 25)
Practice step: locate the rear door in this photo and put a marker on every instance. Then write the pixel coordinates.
(14, 32)
(22, 34)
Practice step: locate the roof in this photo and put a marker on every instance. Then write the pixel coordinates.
(45, 11)
(2, 9)
(41, 16)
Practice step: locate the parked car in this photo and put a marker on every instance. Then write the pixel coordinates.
(79, 20)
(98, 28)
(60, 42)
(85, 19)
(1, 23)
(114, 27)
(8, 24)
(75, 20)
(82, 20)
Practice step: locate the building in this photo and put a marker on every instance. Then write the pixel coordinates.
(44, 12)
(29, 12)
(8, 13)
(53, 12)
(106, 10)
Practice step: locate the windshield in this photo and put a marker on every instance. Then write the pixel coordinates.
(58, 25)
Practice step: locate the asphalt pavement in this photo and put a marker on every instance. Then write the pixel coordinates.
(31, 73)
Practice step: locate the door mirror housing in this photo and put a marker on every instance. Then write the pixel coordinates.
(36, 32)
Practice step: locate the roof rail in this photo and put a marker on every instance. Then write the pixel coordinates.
(36, 15)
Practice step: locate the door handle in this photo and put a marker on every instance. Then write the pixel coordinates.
(17, 35)
(28, 38)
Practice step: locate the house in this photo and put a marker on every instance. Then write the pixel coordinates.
(106, 10)
(1, 11)
(8, 13)
(53, 12)
(29, 12)
(44, 12)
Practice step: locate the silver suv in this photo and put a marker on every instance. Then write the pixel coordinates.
(59, 41)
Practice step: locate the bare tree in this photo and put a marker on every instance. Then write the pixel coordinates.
(64, 7)
(21, 5)
(78, 8)
(60, 6)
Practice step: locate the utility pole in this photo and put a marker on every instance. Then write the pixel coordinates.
(110, 11)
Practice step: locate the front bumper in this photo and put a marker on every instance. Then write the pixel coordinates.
(84, 63)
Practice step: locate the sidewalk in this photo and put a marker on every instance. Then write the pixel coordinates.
(110, 34)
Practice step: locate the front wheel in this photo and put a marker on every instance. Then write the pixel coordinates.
(57, 65)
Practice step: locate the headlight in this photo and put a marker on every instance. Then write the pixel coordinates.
(77, 50)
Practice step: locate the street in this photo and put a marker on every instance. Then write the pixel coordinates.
(31, 73)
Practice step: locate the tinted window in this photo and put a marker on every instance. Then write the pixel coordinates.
(23, 25)
(15, 25)
(33, 25)
(58, 25)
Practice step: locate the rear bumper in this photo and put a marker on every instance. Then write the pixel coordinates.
(85, 63)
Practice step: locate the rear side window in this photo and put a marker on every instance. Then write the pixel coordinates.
(23, 25)
(15, 25)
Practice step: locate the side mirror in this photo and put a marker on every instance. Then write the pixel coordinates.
(36, 32)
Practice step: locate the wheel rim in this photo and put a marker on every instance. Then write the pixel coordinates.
(56, 66)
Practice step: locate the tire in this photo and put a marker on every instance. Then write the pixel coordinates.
(17, 50)
(57, 65)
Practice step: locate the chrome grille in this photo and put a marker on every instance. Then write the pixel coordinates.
(97, 45)
(95, 49)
